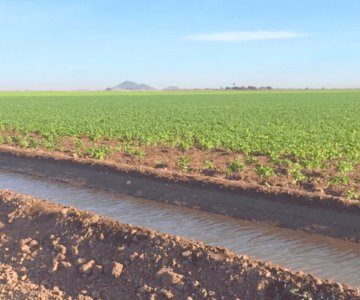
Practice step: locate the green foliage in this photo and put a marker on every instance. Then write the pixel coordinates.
(296, 172)
(208, 165)
(183, 163)
(265, 171)
(33, 143)
(250, 159)
(345, 166)
(352, 194)
(340, 180)
(313, 129)
(78, 143)
(312, 164)
(98, 152)
(235, 166)
(312, 126)
(134, 151)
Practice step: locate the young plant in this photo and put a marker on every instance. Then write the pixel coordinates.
(235, 166)
(24, 143)
(209, 168)
(296, 173)
(312, 164)
(183, 163)
(345, 166)
(340, 180)
(98, 153)
(250, 159)
(185, 145)
(208, 165)
(352, 194)
(33, 143)
(133, 151)
(48, 144)
(265, 171)
(78, 143)
(95, 136)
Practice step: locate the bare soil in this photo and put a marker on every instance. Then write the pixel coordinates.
(48, 251)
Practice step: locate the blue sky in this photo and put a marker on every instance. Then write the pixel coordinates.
(72, 44)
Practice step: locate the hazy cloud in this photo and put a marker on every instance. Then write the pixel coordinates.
(241, 36)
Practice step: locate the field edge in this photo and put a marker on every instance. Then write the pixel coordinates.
(285, 208)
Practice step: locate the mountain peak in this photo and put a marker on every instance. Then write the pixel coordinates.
(132, 86)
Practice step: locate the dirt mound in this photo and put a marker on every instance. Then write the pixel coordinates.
(48, 251)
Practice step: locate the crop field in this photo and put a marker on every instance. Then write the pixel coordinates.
(307, 140)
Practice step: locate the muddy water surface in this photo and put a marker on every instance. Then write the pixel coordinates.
(322, 256)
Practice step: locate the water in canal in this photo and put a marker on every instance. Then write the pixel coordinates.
(322, 256)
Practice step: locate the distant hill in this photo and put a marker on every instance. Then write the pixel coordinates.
(131, 86)
(172, 88)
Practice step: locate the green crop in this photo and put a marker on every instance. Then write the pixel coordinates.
(98, 153)
(312, 126)
(208, 165)
(341, 179)
(345, 166)
(312, 131)
(133, 151)
(183, 163)
(351, 194)
(235, 166)
(265, 171)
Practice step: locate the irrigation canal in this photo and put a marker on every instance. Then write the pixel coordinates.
(322, 256)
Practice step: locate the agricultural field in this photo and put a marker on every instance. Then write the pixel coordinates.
(304, 140)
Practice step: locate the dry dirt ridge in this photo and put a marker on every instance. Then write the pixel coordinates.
(48, 251)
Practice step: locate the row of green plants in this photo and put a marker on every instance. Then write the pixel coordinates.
(298, 132)
(297, 171)
(314, 126)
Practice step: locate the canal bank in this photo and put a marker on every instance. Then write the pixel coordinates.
(69, 253)
(333, 217)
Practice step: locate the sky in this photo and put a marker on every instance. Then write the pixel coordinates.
(73, 44)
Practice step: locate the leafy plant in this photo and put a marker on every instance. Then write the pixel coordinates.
(98, 153)
(345, 166)
(133, 151)
(352, 194)
(265, 171)
(183, 163)
(33, 143)
(250, 159)
(235, 166)
(208, 165)
(296, 172)
(340, 180)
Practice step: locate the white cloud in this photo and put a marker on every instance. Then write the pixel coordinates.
(242, 36)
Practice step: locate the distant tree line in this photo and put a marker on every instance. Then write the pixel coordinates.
(248, 88)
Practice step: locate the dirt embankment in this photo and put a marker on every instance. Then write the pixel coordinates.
(316, 198)
(231, 168)
(48, 251)
(334, 217)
